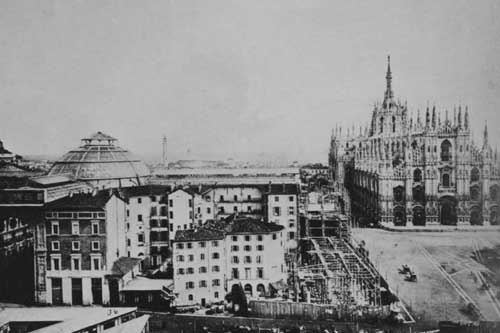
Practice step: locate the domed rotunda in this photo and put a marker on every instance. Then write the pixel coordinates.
(100, 162)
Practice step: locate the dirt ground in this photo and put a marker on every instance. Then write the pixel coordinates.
(451, 268)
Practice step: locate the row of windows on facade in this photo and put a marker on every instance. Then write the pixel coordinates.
(76, 263)
(75, 228)
(221, 198)
(475, 175)
(215, 268)
(202, 244)
(191, 297)
(203, 284)
(75, 215)
(215, 255)
(75, 245)
(277, 211)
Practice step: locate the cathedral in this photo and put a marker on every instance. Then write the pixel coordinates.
(400, 171)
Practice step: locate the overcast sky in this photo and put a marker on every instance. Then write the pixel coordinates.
(235, 78)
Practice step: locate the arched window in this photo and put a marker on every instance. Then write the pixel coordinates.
(393, 124)
(417, 175)
(381, 124)
(494, 193)
(474, 175)
(446, 151)
(399, 194)
(461, 148)
(446, 180)
(475, 194)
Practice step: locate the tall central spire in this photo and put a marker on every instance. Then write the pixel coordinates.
(388, 77)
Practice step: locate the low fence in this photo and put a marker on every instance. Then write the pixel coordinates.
(307, 311)
(170, 323)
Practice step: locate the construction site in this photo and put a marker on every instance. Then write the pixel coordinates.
(335, 270)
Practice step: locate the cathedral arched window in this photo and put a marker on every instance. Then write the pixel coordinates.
(435, 149)
(494, 193)
(461, 148)
(381, 124)
(399, 194)
(417, 175)
(393, 124)
(446, 151)
(418, 193)
(475, 194)
(474, 175)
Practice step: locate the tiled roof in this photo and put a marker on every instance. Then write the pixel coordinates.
(231, 225)
(123, 265)
(80, 201)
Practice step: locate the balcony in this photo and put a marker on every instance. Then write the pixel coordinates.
(452, 188)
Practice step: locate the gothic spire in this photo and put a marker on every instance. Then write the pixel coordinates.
(485, 139)
(466, 118)
(427, 118)
(434, 117)
(388, 77)
(459, 117)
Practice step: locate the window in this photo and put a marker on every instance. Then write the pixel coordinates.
(235, 260)
(235, 274)
(209, 210)
(215, 255)
(75, 228)
(291, 224)
(55, 246)
(215, 269)
(202, 256)
(191, 257)
(215, 283)
(258, 259)
(180, 271)
(215, 243)
(171, 203)
(75, 246)
(260, 272)
(56, 263)
(139, 200)
(75, 263)
(235, 197)
(95, 228)
(221, 198)
(96, 263)
(95, 246)
(291, 210)
(180, 258)
(180, 245)
(140, 238)
(55, 228)
(202, 269)
(129, 242)
(276, 211)
(190, 297)
(221, 210)
(276, 199)
(190, 285)
(190, 270)
(190, 202)
(274, 236)
(247, 238)
(446, 151)
(446, 180)
(248, 248)
(235, 209)
(291, 235)
(235, 248)
(189, 245)
(249, 208)
(216, 294)
(171, 214)
(381, 130)
(291, 198)
(249, 197)
(248, 260)
(417, 175)
(393, 124)
(203, 284)
(260, 247)
(235, 238)
(139, 218)
(475, 175)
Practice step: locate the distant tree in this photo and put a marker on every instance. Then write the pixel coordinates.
(239, 300)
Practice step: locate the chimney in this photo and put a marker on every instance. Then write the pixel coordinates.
(269, 187)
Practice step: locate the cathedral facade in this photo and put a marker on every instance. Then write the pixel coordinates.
(400, 171)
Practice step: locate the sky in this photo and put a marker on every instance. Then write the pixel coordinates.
(236, 79)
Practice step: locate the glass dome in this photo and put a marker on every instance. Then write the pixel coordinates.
(100, 160)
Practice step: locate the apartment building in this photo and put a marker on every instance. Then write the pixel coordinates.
(84, 237)
(282, 207)
(210, 259)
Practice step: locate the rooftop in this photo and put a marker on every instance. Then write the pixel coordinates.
(144, 190)
(79, 201)
(141, 283)
(232, 225)
(124, 265)
(132, 326)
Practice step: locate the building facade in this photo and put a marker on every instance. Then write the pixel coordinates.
(77, 247)
(209, 260)
(403, 171)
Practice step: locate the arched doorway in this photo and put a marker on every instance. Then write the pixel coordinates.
(261, 290)
(248, 289)
(448, 211)
(475, 216)
(418, 215)
(399, 216)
